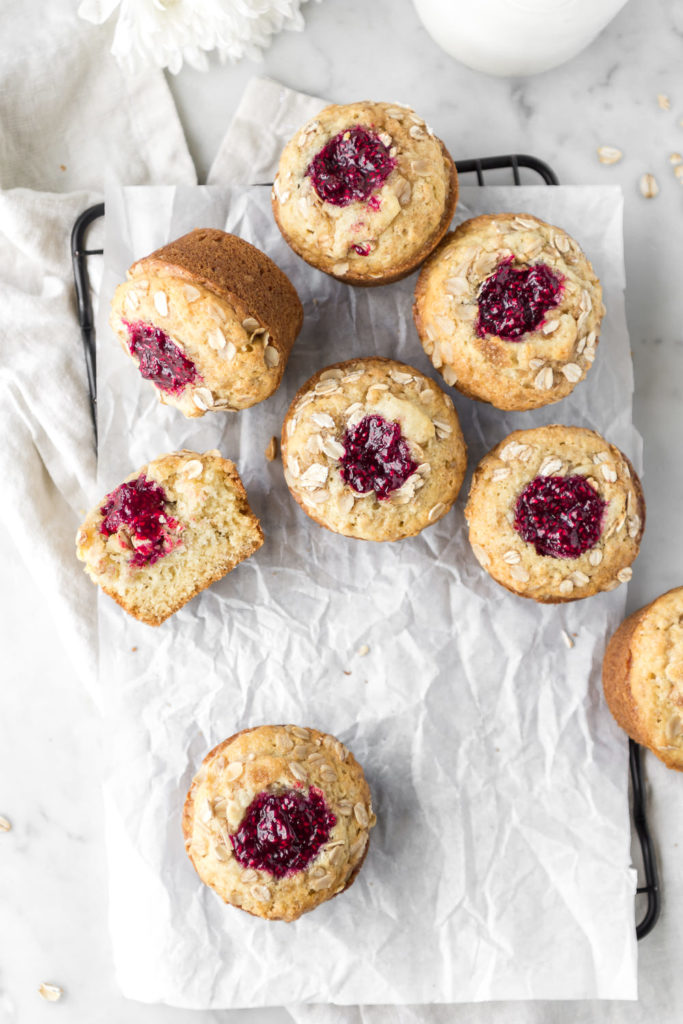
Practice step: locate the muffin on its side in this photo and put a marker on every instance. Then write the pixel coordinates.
(365, 192)
(373, 449)
(209, 320)
(168, 531)
(642, 675)
(556, 514)
(277, 820)
(509, 310)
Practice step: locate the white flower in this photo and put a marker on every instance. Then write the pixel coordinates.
(167, 32)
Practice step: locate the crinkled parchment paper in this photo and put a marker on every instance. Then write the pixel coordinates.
(499, 868)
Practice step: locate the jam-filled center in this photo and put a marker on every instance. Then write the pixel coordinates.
(561, 516)
(513, 302)
(160, 359)
(136, 511)
(350, 167)
(283, 832)
(376, 457)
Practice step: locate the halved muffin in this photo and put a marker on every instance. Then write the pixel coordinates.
(167, 532)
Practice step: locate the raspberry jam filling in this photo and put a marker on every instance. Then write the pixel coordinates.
(513, 302)
(138, 510)
(160, 359)
(376, 457)
(560, 515)
(350, 167)
(282, 833)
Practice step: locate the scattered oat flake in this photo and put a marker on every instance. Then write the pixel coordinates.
(271, 450)
(663, 101)
(648, 186)
(5, 824)
(609, 154)
(50, 992)
(567, 639)
(678, 171)
(362, 651)
(675, 158)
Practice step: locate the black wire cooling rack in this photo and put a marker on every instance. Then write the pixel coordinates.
(515, 163)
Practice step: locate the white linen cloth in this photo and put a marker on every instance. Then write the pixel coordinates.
(67, 111)
(128, 125)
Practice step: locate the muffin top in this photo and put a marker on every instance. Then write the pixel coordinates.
(656, 674)
(277, 820)
(509, 309)
(363, 189)
(373, 449)
(556, 513)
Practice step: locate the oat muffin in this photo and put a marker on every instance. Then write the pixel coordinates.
(168, 531)
(365, 192)
(277, 820)
(509, 309)
(556, 514)
(373, 449)
(209, 320)
(643, 677)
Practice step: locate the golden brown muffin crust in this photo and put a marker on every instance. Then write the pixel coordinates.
(236, 270)
(414, 206)
(642, 677)
(339, 397)
(554, 451)
(541, 366)
(615, 671)
(275, 758)
(225, 306)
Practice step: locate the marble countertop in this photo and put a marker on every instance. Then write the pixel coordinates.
(607, 95)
